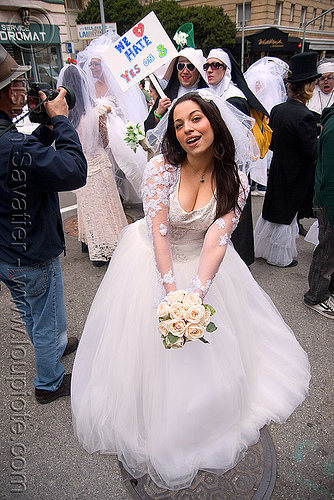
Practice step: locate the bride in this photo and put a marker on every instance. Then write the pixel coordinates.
(170, 413)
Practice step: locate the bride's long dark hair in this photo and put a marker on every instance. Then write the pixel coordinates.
(225, 171)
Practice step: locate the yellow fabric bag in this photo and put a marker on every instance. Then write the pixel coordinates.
(262, 132)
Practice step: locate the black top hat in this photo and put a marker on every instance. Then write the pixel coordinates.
(303, 67)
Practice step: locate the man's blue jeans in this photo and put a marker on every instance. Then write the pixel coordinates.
(39, 296)
(321, 274)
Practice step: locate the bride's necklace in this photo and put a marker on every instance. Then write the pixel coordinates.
(201, 175)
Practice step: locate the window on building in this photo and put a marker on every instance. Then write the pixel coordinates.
(74, 4)
(292, 12)
(303, 16)
(331, 21)
(278, 13)
(247, 14)
(322, 21)
(314, 14)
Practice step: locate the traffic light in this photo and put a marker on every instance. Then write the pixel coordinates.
(248, 46)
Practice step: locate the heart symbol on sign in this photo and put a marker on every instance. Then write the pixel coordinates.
(138, 30)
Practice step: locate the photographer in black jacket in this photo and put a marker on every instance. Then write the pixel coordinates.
(32, 172)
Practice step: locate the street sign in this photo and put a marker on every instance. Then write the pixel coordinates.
(89, 31)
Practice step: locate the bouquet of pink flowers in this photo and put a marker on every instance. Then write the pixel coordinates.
(184, 318)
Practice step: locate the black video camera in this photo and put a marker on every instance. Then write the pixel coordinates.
(37, 113)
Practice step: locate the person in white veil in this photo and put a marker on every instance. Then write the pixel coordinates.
(129, 106)
(265, 78)
(100, 213)
(224, 77)
(171, 413)
(238, 123)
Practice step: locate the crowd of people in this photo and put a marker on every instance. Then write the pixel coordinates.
(188, 257)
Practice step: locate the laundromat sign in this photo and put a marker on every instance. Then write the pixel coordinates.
(32, 34)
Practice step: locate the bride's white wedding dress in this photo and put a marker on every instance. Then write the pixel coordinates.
(172, 412)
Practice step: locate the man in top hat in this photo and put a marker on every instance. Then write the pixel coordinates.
(291, 175)
(323, 95)
(31, 236)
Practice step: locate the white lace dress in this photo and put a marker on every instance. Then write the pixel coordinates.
(100, 213)
(172, 412)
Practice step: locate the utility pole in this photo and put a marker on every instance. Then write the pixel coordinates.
(243, 37)
(312, 20)
(103, 22)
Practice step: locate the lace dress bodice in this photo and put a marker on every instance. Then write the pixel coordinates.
(187, 230)
(177, 235)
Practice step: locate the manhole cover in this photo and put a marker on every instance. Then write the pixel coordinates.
(70, 224)
(253, 478)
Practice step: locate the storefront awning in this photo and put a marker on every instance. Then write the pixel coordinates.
(34, 34)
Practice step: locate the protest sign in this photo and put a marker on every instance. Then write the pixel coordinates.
(139, 52)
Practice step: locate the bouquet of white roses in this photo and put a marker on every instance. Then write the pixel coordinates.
(184, 318)
(133, 135)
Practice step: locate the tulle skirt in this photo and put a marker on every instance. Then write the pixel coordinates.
(169, 413)
(276, 242)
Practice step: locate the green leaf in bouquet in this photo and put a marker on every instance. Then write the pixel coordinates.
(172, 338)
(202, 339)
(165, 344)
(211, 327)
(164, 318)
(211, 309)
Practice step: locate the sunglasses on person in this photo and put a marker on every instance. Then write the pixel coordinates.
(213, 65)
(94, 65)
(181, 65)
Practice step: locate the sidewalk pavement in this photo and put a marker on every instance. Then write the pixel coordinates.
(40, 456)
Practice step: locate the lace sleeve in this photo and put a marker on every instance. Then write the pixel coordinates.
(159, 179)
(215, 243)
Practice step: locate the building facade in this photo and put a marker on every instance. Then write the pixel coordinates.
(41, 33)
(274, 27)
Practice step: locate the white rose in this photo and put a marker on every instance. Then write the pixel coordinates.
(194, 314)
(191, 299)
(206, 318)
(175, 345)
(176, 296)
(177, 311)
(177, 327)
(163, 328)
(194, 332)
(163, 310)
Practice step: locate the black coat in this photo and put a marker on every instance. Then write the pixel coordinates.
(32, 172)
(291, 174)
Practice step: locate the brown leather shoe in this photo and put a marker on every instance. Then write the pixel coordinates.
(45, 397)
(72, 345)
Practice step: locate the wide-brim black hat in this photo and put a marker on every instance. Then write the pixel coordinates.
(303, 67)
